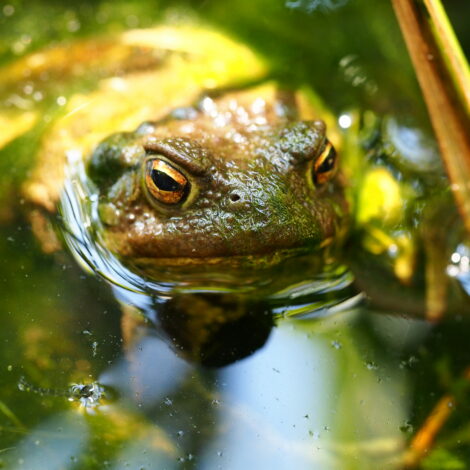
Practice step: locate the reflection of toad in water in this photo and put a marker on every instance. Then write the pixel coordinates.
(215, 329)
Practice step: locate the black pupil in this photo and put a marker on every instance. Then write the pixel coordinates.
(328, 163)
(164, 182)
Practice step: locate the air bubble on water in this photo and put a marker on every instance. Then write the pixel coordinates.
(87, 395)
(459, 266)
(406, 428)
(345, 121)
(371, 366)
(168, 401)
(460, 261)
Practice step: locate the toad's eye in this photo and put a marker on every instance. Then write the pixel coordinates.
(165, 183)
(324, 167)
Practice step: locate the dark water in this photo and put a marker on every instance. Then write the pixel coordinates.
(326, 384)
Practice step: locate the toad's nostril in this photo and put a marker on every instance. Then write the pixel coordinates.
(234, 197)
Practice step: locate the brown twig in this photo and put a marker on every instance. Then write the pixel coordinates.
(443, 76)
(423, 441)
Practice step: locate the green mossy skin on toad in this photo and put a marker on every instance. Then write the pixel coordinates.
(246, 145)
(111, 158)
(250, 178)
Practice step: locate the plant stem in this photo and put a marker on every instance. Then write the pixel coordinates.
(444, 78)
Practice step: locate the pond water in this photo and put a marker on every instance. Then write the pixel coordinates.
(309, 374)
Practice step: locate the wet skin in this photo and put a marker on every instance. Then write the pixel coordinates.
(235, 179)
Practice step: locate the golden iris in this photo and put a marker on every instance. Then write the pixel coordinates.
(166, 183)
(324, 167)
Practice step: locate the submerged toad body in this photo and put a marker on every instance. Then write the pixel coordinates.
(234, 179)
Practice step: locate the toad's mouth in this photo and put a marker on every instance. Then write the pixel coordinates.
(255, 261)
(256, 271)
